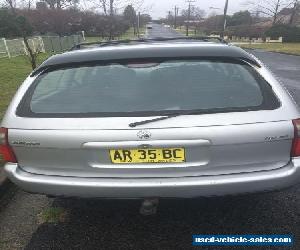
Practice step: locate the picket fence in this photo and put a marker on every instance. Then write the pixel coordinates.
(39, 44)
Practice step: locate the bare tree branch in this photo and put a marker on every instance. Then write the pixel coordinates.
(271, 8)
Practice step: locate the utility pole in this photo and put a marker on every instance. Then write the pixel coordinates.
(111, 19)
(225, 17)
(175, 16)
(139, 24)
(189, 16)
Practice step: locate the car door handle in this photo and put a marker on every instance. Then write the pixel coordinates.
(150, 144)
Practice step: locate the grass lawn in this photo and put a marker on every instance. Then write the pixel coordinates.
(12, 73)
(183, 31)
(291, 48)
(129, 34)
(192, 31)
(53, 215)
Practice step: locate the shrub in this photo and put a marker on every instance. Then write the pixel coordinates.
(289, 33)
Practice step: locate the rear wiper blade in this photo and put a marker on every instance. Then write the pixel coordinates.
(164, 117)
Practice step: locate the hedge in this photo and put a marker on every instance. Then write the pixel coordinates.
(289, 33)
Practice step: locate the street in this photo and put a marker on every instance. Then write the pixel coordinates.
(109, 224)
(161, 31)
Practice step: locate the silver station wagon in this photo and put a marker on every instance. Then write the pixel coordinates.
(151, 118)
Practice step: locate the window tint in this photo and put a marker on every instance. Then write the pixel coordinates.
(148, 87)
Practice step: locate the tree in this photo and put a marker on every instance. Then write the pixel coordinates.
(192, 14)
(11, 4)
(7, 26)
(213, 24)
(103, 6)
(130, 16)
(195, 14)
(294, 12)
(59, 4)
(18, 26)
(24, 29)
(110, 8)
(272, 8)
(144, 19)
(240, 18)
(289, 33)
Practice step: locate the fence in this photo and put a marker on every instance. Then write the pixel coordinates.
(39, 44)
(238, 39)
(253, 40)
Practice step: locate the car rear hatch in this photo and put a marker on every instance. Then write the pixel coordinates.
(209, 150)
(239, 128)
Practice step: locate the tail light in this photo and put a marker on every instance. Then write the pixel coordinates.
(296, 142)
(6, 151)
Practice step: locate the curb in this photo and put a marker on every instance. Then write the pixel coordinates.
(277, 52)
(284, 53)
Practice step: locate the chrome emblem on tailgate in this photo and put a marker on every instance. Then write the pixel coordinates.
(144, 135)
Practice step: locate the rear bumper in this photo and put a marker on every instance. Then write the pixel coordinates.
(184, 187)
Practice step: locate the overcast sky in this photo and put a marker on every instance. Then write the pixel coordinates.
(161, 7)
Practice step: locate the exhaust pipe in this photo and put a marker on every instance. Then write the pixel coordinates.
(149, 207)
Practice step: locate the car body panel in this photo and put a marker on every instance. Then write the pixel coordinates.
(217, 146)
(209, 150)
(187, 187)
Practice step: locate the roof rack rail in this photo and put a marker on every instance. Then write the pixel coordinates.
(145, 40)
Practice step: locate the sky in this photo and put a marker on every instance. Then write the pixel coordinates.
(160, 8)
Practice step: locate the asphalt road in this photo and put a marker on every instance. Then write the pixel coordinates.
(161, 31)
(98, 224)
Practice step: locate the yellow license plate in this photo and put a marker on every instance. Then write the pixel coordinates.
(160, 155)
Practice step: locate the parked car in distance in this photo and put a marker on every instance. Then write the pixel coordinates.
(152, 118)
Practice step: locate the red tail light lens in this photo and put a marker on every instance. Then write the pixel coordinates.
(296, 142)
(6, 151)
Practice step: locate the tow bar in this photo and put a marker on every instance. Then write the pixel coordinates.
(149, 207)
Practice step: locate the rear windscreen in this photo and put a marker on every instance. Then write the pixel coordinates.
(149, 88)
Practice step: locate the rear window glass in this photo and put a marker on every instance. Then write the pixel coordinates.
(149, 88)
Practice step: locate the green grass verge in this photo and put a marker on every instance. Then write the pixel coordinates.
(183, 31)
(12, 73)
(52, 215)
(129, 34)
(192, 31)
(290, 48)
